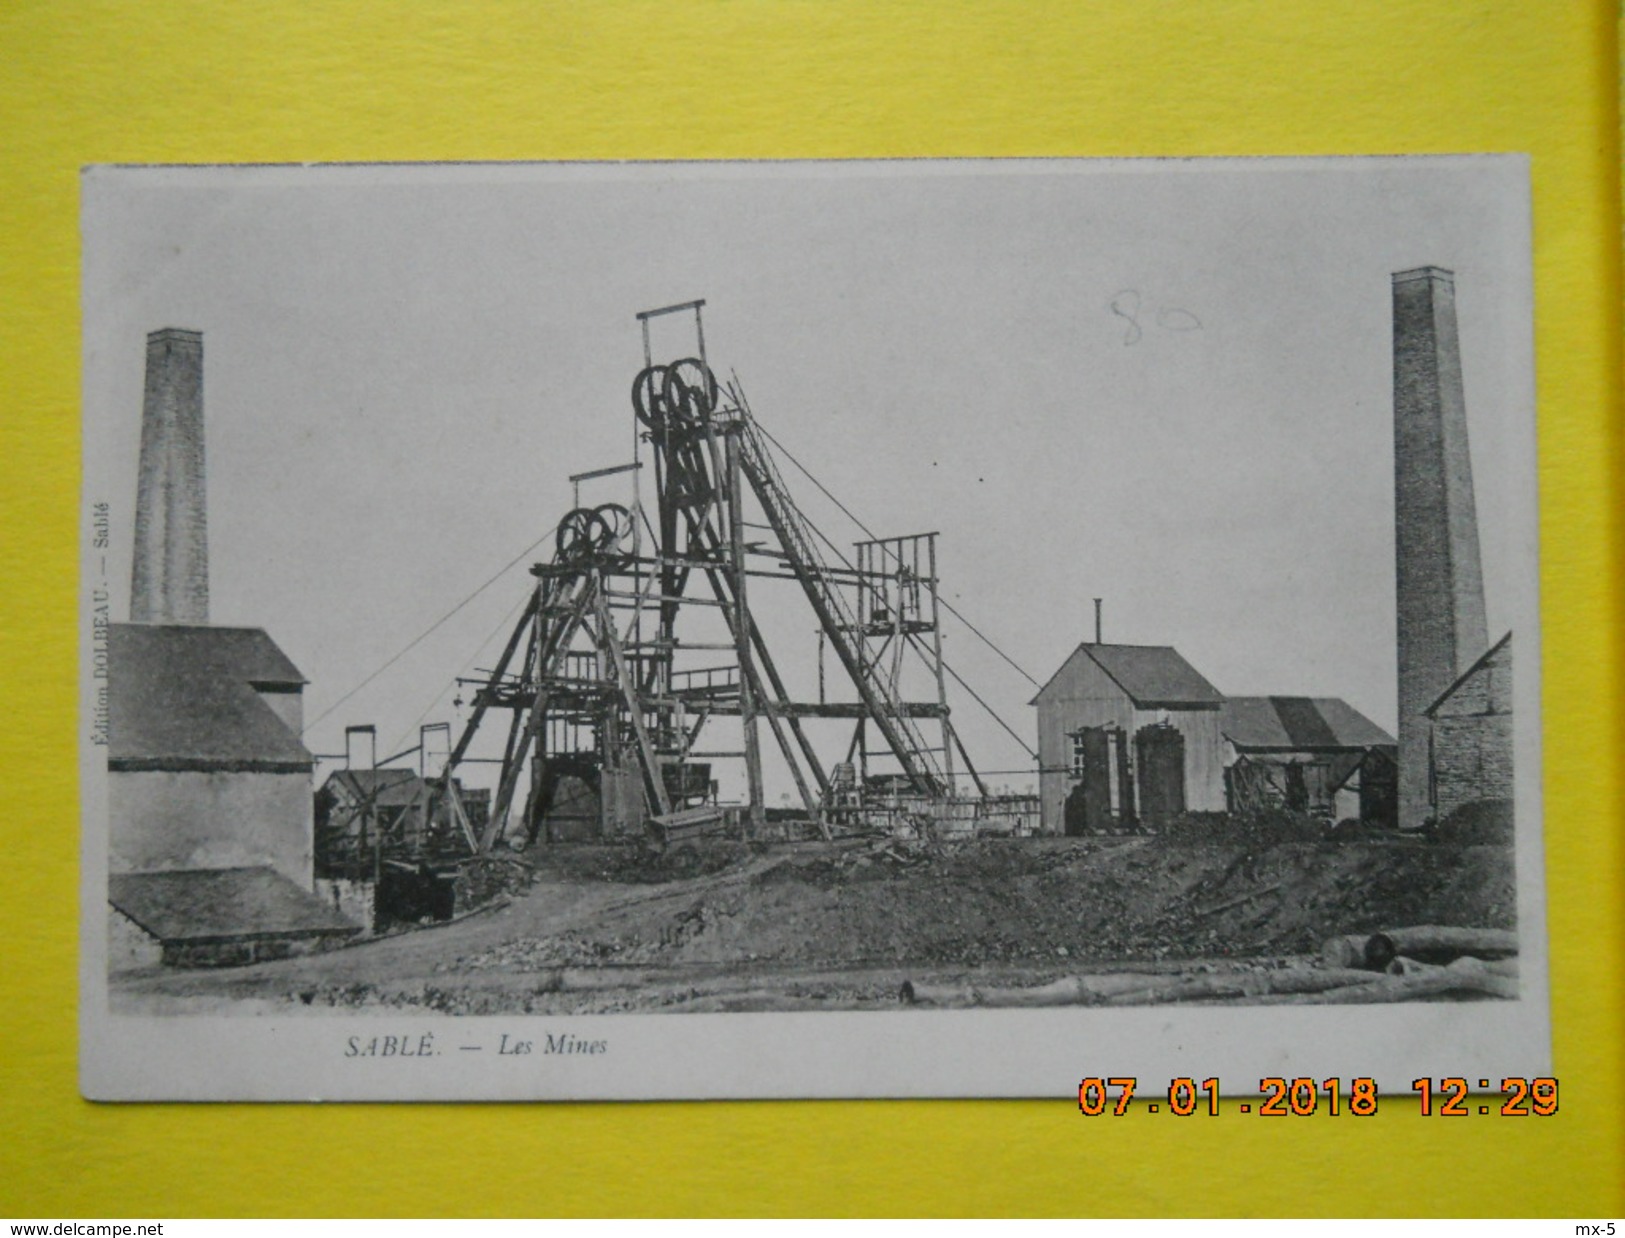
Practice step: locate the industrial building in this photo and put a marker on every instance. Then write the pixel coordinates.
(356, 808)
(608, 686)
(388, 848)
(1127, 734)
(1132, 735)
(205, 765)
(210, 845)
(1317, 755)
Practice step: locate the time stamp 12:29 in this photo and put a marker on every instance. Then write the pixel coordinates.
(1446, 1097)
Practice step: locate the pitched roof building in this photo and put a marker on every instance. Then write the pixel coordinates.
(206, 768)
(1151, 676)
(1127, 735)
(202, 698)
(210, 845)
(1308, 754)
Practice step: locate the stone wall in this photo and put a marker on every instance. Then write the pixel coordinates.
(1472, 736)
(1472, 761)
(352, 899)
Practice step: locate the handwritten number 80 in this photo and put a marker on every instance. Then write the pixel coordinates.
(1127, 306)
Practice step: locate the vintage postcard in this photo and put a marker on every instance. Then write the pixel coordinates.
(927, 628)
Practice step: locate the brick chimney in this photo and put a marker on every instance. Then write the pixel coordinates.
(1442, 628)
(170, 579)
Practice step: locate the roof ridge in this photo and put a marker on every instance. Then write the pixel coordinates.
(194, 627)
(1150, 675)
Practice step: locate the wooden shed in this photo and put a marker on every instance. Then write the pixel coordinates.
(1128, 736)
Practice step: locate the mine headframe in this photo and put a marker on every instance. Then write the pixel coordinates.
(600, 677)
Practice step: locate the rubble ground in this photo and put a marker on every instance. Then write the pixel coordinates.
(715, 925)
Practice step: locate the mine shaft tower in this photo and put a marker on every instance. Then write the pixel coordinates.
(607, 687)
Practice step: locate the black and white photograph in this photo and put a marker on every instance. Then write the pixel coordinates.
(895, 628)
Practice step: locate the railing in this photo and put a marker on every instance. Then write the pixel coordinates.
(708, 679)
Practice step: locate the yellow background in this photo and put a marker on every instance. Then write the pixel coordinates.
(202, 82)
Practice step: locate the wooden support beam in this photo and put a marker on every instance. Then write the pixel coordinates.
(831, 709)
(454, 803)
(548, 649)
(741, 630)
(808, 574)
(634, 708)
(724, 586)
(969, 764)
(481, 700)
(652, 598)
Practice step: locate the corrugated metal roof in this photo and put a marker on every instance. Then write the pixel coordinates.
(213, 904)
(1298, 724)
(183, 697)
(1151, 675)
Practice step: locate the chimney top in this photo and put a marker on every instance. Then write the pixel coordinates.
(1416, 273)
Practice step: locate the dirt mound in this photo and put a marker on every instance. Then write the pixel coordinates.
(820, 924)
(638, 863)
(1290, 898)
(1019, 902)
(1257, 828)
(1481, 822)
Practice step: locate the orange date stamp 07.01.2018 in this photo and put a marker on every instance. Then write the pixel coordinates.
(1446, 1097)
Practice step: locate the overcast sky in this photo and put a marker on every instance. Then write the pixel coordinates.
(1167, 384)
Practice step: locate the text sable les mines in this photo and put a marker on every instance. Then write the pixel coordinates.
(424, 1045)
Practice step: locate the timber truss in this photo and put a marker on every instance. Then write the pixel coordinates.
(606, 687)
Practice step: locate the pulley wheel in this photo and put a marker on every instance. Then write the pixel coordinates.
(691, 390)
(648, 397)
(575, 539)
(616, 525)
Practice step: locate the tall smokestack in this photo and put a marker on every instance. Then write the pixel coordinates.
(1442, 628)
(170, 580)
